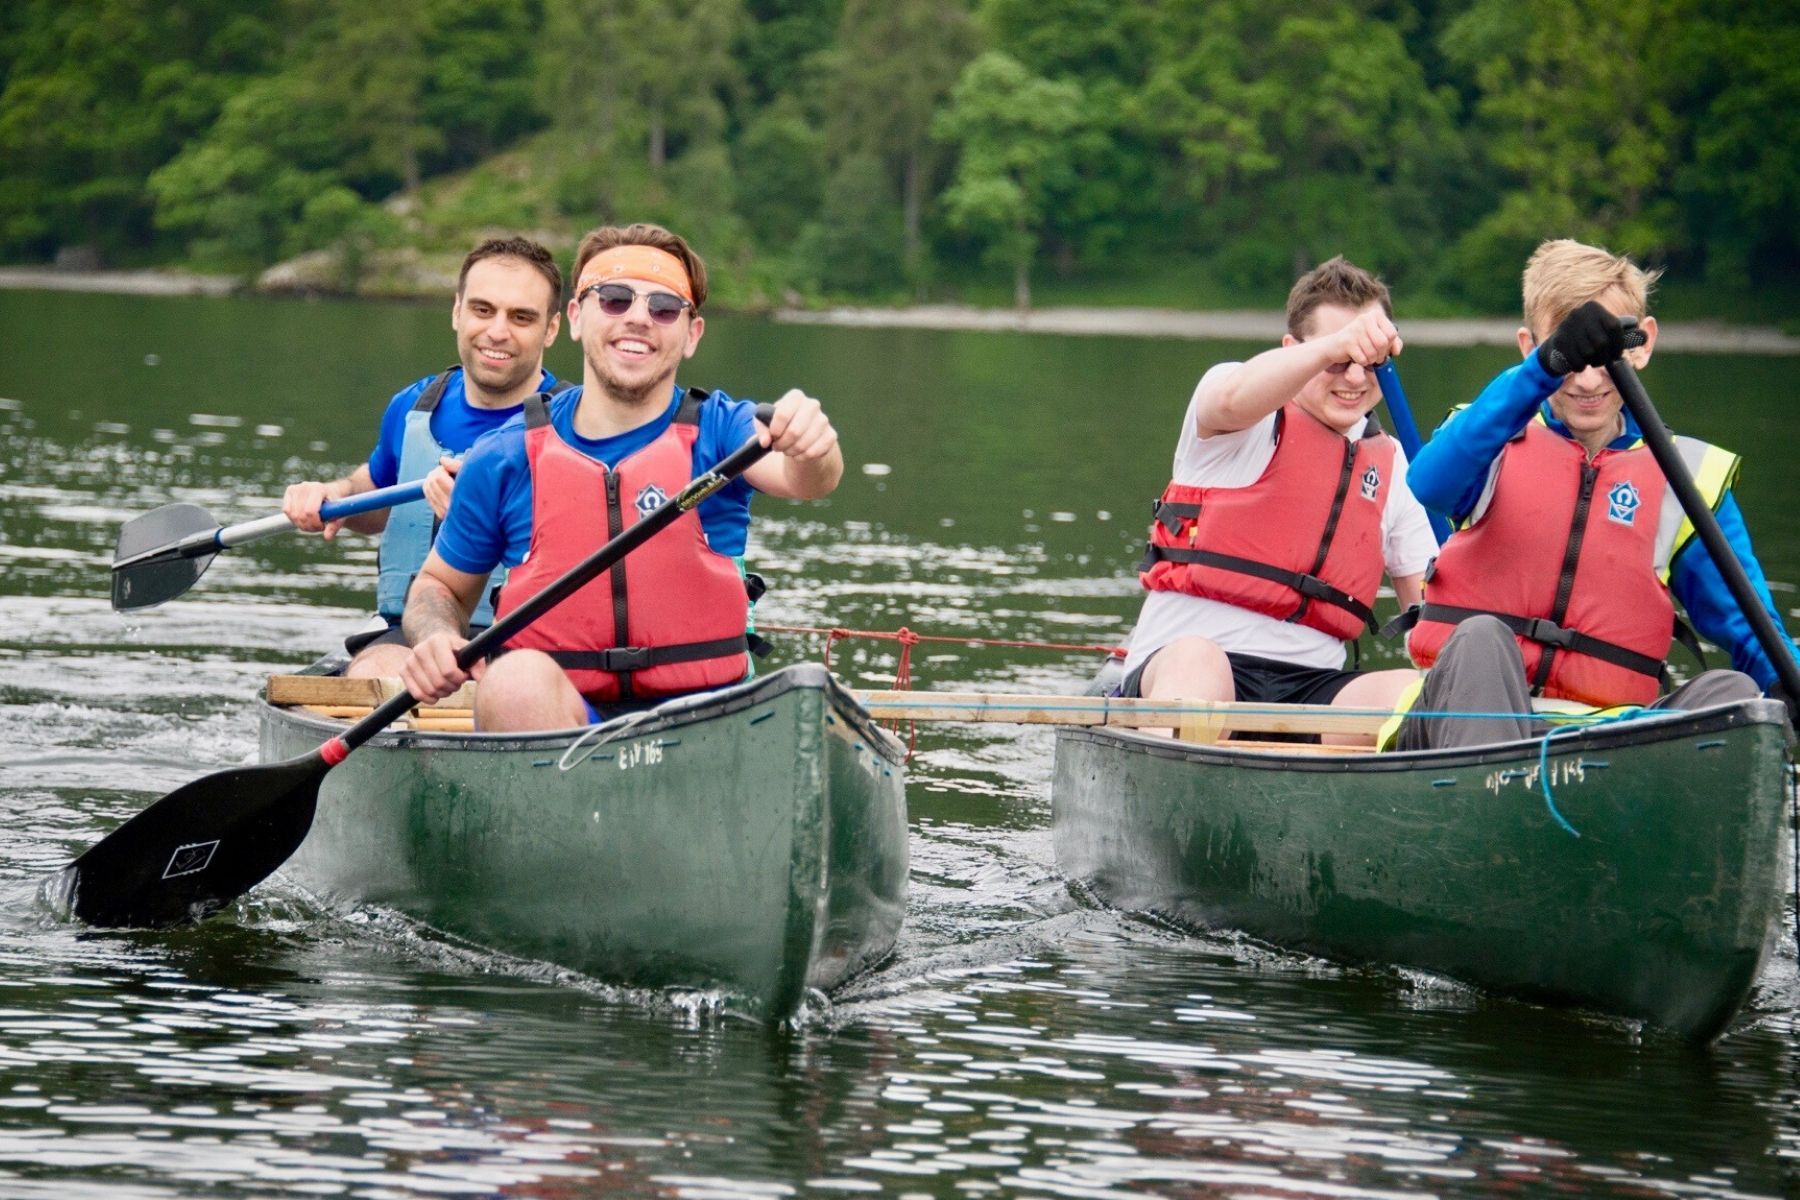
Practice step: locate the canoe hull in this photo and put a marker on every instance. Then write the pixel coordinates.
(1663, 907)
(754, 842)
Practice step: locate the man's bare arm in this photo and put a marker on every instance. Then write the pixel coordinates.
(442, 600)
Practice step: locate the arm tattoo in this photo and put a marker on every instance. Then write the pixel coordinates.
(431, 608)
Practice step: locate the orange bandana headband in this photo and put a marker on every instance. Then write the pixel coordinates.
(636, 262)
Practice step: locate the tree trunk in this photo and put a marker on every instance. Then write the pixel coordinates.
(912, 204)
(1022, 284)
(659, 150)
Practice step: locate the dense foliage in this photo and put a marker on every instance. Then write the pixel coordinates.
(896, 148)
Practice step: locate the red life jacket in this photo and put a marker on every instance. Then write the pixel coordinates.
(1302, 543)
(1565, 555)
(679, 624)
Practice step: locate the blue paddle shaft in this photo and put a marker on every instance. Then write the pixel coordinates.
(331, 510)
(387, 497)
(1406, 429)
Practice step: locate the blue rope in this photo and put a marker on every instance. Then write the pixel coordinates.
(1544, 759)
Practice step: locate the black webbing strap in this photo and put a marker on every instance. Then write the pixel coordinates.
(1565, 581)
(621, 659)
(434, 391)
(1550, 635)
(1331, 524)
(1171, 513)
(1309, 586)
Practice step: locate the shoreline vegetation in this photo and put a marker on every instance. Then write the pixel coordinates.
(1687, 336)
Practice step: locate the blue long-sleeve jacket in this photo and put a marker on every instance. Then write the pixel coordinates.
(1452, 470)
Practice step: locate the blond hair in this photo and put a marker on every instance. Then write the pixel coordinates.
(1564, 274)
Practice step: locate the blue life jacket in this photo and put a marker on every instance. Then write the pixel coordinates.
(411, 528)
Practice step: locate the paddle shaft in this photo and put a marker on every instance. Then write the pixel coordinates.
(211, 541)
(571, 581)
(1662, 446)
(1406, 429)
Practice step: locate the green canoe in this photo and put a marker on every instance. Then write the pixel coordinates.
(751, 840)
(1663, 907)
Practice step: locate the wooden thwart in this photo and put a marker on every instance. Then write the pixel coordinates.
(1195, 720)
(335, 690)
(1199, 722)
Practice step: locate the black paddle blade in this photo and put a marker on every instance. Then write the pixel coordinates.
(198, 848)
(159, 577)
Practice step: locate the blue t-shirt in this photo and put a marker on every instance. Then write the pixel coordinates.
(489, 522)
(455, 423)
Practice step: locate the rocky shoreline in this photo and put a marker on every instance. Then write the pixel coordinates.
(1690, 337)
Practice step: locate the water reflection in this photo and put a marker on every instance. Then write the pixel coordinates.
(1019, 1044)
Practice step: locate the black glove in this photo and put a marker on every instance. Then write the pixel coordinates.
(1588, 337)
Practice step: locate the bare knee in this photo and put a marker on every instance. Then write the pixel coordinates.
(377, 662)
(526, 690)
(1192, 668)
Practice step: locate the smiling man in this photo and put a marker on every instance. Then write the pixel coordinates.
(549, 488)
(505, 316)
(1285, 507)
(1571, 548)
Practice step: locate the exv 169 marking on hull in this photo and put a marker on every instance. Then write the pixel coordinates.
(640, 754)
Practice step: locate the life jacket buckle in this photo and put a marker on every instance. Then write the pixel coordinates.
(1541, 629)
(617, 659)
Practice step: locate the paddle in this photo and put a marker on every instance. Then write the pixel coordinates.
(1406, 429)
(163, 553)
(208, 842)
(1656, 435)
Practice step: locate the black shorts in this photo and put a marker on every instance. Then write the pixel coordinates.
(1264, 681)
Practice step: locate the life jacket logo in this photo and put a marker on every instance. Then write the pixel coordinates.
(649, 500)
(1371, 483)
(1622, 502)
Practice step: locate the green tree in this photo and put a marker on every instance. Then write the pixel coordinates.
(1296, 132)
(1013, 132)
(1738, 185)
(854, 245)
(894, 63)
(239, 194)
(780, 167)
(94, 96)
(654, 73)
(1574, 119)
(374, 63)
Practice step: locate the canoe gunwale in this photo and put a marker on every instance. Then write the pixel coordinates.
(1611, 736)
(682, 710)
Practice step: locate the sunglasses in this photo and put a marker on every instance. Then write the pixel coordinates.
(615, 300)
(1340, 368)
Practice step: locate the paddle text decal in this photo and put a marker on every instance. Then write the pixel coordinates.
(195, 856)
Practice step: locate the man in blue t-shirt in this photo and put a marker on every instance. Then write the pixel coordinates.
(553, 485)
(505, 315)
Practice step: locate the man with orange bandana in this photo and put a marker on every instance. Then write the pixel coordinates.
(1285, 507)
(1559, 584)
(547, 489)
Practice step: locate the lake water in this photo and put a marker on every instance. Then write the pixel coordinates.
(1018, 1044)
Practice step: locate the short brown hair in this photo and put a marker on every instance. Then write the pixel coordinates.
(1334, 281)
(645, 234)
(1564, 274)
(527, 252)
